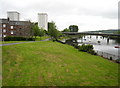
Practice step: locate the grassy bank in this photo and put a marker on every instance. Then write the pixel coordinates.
(6, 42)
(54, 64)
(41, 38)
(37, 39)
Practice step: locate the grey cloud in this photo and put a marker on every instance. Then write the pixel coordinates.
(59, 10)
(111, 13)
(53, 8)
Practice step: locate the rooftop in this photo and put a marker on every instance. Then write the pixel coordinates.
(13, 12)
(42, 13)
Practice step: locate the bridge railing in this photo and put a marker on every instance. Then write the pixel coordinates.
(90, 33)
(107, 55)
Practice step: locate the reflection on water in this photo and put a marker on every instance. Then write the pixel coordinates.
(95, 39)
(101, 44)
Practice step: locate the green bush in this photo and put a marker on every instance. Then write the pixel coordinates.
(91, 51)
(110, 58)
(13, 38)
(75, 46)
(87, 48)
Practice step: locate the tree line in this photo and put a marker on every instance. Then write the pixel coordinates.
(52, 30)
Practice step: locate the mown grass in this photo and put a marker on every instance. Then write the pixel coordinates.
(54, 64)
(41, 38)
(37, 39)
(0, 66)
(6, 42)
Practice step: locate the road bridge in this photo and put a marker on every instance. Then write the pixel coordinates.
(89, 33)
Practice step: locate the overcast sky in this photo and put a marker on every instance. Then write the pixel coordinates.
(87, 14)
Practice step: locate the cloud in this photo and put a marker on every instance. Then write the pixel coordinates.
(86, 14)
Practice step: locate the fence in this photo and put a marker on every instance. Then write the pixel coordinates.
(108, 55)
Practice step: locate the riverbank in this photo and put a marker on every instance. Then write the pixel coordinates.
(53, 64)
(37, 39)
(102, 45)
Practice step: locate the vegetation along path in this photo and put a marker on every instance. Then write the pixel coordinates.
(18, 42)
(53, 64)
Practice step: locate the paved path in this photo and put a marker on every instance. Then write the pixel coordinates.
(22, 42)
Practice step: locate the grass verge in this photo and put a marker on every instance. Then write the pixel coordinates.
(37, 39)
(54, 64)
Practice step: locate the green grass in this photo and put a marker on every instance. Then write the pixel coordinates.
(37, 39)
(6, 42)
(54, 64)
(0, 66)
(42, 38)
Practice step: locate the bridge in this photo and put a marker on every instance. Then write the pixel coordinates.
(89, 33)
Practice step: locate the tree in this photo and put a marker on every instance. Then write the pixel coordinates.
(73, 28)
(35, 29)
(41, 32)
(45, 32)
(66, 30)
(52, 30)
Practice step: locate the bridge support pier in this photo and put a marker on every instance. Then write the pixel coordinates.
(103, 37)
(81, 39)
(96, 37)
(108, 38)
(90, 36)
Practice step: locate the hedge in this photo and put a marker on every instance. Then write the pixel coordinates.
(13, 38)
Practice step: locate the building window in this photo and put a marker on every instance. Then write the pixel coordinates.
(11, 27)
(4, 30)
(11, 32)
(4, 25)
(4, 35)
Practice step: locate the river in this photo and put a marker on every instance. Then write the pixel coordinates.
(102, 46)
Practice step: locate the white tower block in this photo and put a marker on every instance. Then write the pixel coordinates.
(43, 20)
(13, 15)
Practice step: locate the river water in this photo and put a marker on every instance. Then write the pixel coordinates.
(101, 44)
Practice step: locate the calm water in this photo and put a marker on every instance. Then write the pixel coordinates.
(104, 46)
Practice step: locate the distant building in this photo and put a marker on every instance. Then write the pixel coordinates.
(13, 15)
(15, 28)
(43, 20)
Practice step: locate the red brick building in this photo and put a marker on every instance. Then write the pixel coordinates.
(15, 28)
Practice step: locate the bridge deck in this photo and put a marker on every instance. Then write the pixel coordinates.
(86, 33)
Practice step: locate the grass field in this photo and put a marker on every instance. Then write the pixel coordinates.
(0, 66)
(54, 64)
(41, 38)
(6, 42)
(37, 39)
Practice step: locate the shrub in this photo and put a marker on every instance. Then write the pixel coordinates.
(53, 40)
(82, 48)
(14, 38)
(87, 48)
(91, 51)
(75, 46)
(110, 58)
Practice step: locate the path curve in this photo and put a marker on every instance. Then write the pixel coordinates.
(22, 42)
